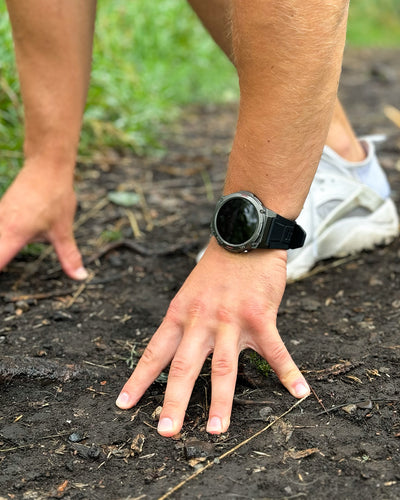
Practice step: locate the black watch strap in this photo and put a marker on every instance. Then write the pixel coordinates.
(283, 233)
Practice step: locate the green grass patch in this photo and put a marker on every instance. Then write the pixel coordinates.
(110, 236)
(374, 23)
(150, 59)
(259, 363)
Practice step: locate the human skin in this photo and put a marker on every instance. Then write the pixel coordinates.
(216, 17)
(54, 71)
(284, 116)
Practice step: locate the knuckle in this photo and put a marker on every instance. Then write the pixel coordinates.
(180, 368)
(253, 314)
(222, 366)
(171, 407)
(174, 311)
(149, 356)
(73, 255)
(278, 353)
(197, 308)
(224, 315)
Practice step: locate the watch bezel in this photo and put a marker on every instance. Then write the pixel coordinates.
(256, 238)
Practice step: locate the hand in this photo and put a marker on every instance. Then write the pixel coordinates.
(228, 303)
(40, 205)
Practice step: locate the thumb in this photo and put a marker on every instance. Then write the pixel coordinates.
(70, 257)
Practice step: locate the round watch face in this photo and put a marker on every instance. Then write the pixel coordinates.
(237, 221)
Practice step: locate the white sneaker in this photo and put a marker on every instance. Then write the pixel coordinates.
(348, 209)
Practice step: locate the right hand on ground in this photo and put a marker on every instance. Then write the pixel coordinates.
(40, 205)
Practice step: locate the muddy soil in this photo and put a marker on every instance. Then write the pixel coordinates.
(67, 348)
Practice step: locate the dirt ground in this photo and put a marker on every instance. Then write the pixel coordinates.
(67, 348)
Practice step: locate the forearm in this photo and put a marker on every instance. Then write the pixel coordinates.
(288, 55)
(53, 46)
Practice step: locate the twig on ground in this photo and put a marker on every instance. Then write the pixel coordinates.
(239, 401)
(137, 233)
(10, 297)
(393, 114)
(318, 398)
(229, 452)
(79, 291)
(378, 400)
(141, 250)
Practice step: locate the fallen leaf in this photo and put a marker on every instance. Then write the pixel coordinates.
(194, 461)
(156, 413)
(124, 198)
(137, 444)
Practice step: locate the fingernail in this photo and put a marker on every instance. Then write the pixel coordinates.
(165, 425)
(214, 425)
(81, 273)
(301, 389)
(123, 400)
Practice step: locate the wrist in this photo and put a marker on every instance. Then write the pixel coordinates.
(281, 180)
(51, 168)
(276, 191)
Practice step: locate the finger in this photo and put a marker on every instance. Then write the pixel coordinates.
(275, 352)
(184, 370)
(9, 247)
(157, 355)
(223, 378)
(69, 256)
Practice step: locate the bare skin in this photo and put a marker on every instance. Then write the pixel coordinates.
(275, 154)
(284, 118)
(41, 203)
(216, 18)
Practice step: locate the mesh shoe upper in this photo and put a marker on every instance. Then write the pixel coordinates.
(348, 209)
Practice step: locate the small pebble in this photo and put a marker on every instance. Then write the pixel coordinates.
(350, 409)
(265, 412)
(194, 448)
(75, 437)
(60, 316)
(23, 305)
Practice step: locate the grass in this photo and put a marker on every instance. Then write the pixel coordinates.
(150, 59)
(374, 23)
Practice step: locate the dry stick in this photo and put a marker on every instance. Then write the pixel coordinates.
(80, 289)
(393, 114)
(91, 213)
(145, 208)
(374, 400)
(134, 224)
(229, 452)
(318, 398)
(36, 296)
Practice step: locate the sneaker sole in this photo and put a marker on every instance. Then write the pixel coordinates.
(348, 236)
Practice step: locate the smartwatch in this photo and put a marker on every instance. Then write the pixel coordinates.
(242, 223)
